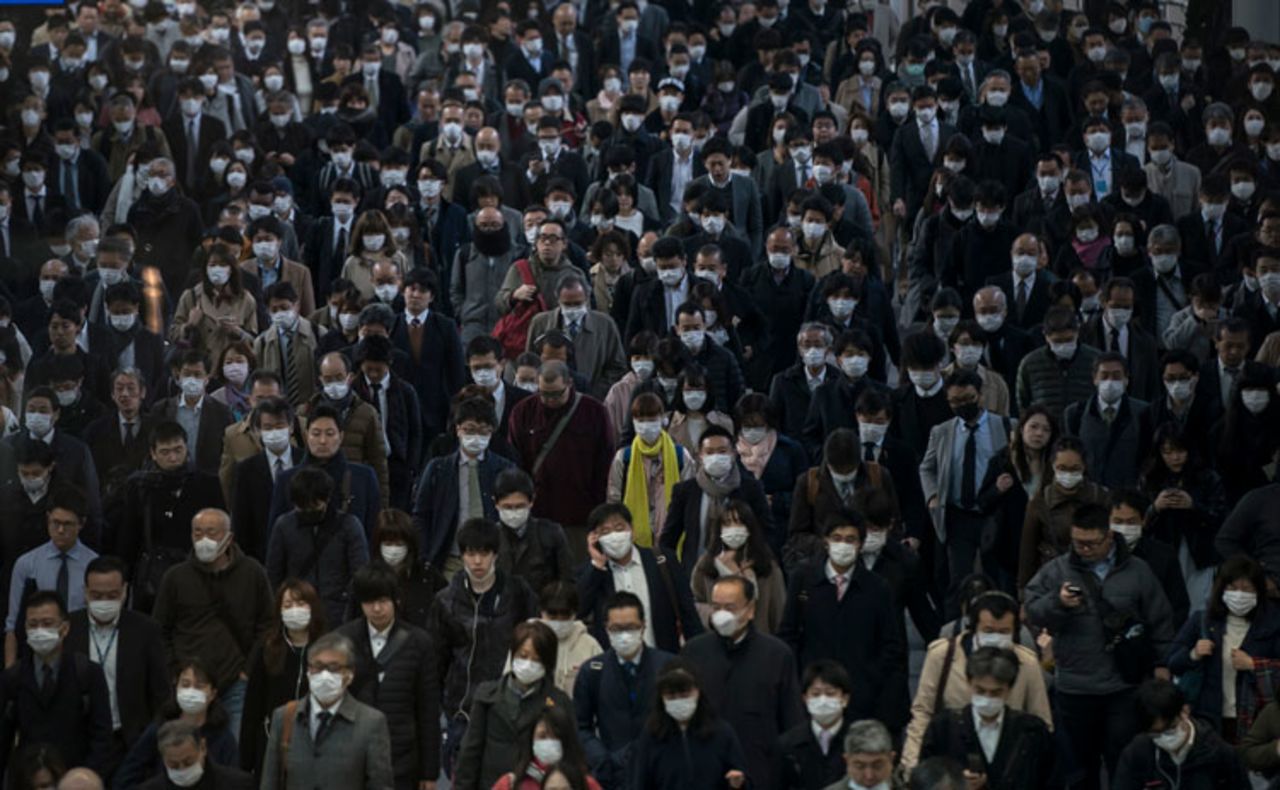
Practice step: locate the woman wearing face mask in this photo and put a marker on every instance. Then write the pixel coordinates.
(724, 103)
(234, 181)
(1189, 505)
(644, 472)
(1090, 240)
(315, 543)
(859, 85)
(642, 351)
(371, 243)
(498, 728)
(553, 746)
(774, 458)
(558, 605)
(395, 543)
(694, 408)
(217, 311)
(1235, 635)
(609, 257)
(1014, 476)
(277, 666)
(720, 321)
(195, 700)
(968, 343)
(738, 547)
(1247, 437)
(346, 333)
(684, 744)
(1046, 530)
(1127, 252)
(405, 235)
(234, 367)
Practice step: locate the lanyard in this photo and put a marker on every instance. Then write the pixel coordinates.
(102, 654)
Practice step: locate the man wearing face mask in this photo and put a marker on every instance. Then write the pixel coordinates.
(1060, 372)
(1016, 749)
(915, 147)
(1114, 427)
(78, 175)
(1068, 595)
(982, 247)
(750, 677)
(58, 697)
(334, 739)
(168, 225)
(127, 645)
(1175, 743)
(216, 605)
(598, 351)
(184, 755)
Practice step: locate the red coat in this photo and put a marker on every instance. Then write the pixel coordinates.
(574, 477)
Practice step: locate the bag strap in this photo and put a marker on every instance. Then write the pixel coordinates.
(874, 475)
(286, 735)
(665, 573)
(526, 271)
(556, 433)
(938, 698)
(811, 485)
(320, 542)
(1104, 607)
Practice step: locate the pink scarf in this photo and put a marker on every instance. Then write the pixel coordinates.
(756, 456)
(1090, 252)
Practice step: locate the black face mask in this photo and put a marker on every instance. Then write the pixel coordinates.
(492, 242)
(967, 412)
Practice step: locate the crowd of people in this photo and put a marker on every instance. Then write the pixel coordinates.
(616, 395)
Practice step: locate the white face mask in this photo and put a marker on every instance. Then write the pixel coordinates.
(1068, 480)
(1170, 740)
(474, 443)
(296, 617)
(625, 643)
(43, 641)
(735, 537)
(192, 700)
(326, 686)
(725, 623)
(616, 545)
(527, 671)
(207, 549)
(393, 553)
(842, 554)
(648, 430)
(682, 709)
(186, 777)
(1239, 602)
(38, 424)
(987, 707)
(105, 611)
(548, 751)
(717, 464)
(276, 439)
(824, 709)
(1002, 641)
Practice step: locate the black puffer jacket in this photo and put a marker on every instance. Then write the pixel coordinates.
(403, 684)
(291, 553)
(457, 616)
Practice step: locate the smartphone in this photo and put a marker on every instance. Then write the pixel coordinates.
(976, 765)
(1075, 590)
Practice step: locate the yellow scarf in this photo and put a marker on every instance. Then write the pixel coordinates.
(635, 495)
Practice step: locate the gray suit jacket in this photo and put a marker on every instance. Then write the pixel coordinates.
(936, 471)
(598, 352)
(355, 753)
(746, 210)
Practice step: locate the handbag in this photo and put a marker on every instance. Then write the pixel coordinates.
(1126, 636)
(512, 329)
(1192, 681)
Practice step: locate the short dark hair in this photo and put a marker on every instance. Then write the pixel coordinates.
(43, 598)
(478, 534)
(310, 485)
(992, 662)
(107, 563)
(513, 480)
(1092, 517)
(828, 671)
(167, 431)
(1159, 700)
(623, 600)
(559, 596)
(607, 510)
(373, 582)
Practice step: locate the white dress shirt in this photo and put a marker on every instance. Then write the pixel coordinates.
(630, 578)
(316, 709)
(988, 734)
(103, 649)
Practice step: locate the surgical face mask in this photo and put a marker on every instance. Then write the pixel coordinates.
(1243, 190)
(84, 119)
(1064, 350)
(1125, 245)
(1165, 263)
(393, 553)
(336, 390)
(548, 751)
(1119, 317)
(682, 709)
(814, 357)
(1077, 200)
(474, 443)
(643, 368)
(1261, 90)
(528, 671)
(514, 517)
(991, 322)
(866, 68)
(855, 366)
(1002, 641)
(926, 114)
(207, 549)
(899, 109)
(1239, 602)
(186, 777)
(717, 464)
(997, 98)
(968, 355)
(1179, 390)
(276, 439)
(561, 628)
(374, 241)
(1098, 141)
(779, 260)
(713, 224)
(38, 424)
(1068, 480)
(993, 136)
(1086, 235)
(1110, 390)
(988, 219)
(192, 700)
(326, 686)
(1218, 136)
(872, 432)
(387, 292)
(1130, 532)
(285, 319)
(43, 641)
(842, 554)
(1170, 740)
(192, 386)
(218, 275)
(1255, 400)
(735, 537)
(625, 643)
(725, 623)
(943, 326)
(68, 397)
(693, 339)
(648, 430)
(987, 707)
(824, 709)
(573, 314)
(1024, 265)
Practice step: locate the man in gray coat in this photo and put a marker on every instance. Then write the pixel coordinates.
(333, 740)
(1095, 700)
(597, 347)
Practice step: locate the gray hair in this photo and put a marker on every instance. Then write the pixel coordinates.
(554, 369)
(997, 74)
(572, 281)
(993, 662)
(336, 643)
(377, 313)
(129, 373)
(867, 737)
(996, 292)
(77, 223)
(176, 732)
(816, 326)
(1164, 235)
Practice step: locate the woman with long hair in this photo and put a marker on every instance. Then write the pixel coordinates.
(684, 744)
(395, 542)
(217, 311)
(194, 700)
(1234, 636)
(1246, 438)
(233, 369)
(773, 457)
(371, 243)
(277, 666)
(1188, 507)
(644, 472)
(738, 547)
(553, 744)
(695, 408)
(39, 767)
(1046, 531)
(1014, 475)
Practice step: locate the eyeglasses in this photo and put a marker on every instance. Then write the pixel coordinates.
(1088, 545)
(553, 239)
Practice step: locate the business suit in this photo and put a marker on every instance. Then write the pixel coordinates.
(436, 373)
(322, 255)
(1113, 453)
(465, 178)
(610, 49)
(567, 164)
(684, 516)
(1120, 161)
(648, 310)
(435, 513)
(49, 204)
(74, 718)
(1023, 757)
(142, 678)
(354, 753)
(75, 466)
(911, 167)
(1140, 352)
(1053, 117)
(393, 107)
(291, 272)
(790, 396)
(360, 497)
(805, 766)
(1004, 351)
(611, 715)
(659, 179)
(114, 458)
(1037, 299)
(269, 349)
(214, 419)
(209, 130)
(745, 205)
(1200, 247)
(1262, 322)
(91, 182)
(597, 348)
(252, 482)
(671, 619)
(402, 423)
(1147, 284)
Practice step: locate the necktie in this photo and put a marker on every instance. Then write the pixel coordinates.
(324, 717)
(574, 329)
(415, 338)
(64, 578)
(475, 506)
(340, 249)
(237, 119)
(869, 451)
(277, 468)
(70, 189)
(969, 473)
(1115, 339)
(1020, 301)
(193, 149)
(928, 141)
(967, 73)
(291, 383)
(375, 398)
(371, 85)
(824, 741)
(37, 215)
(804, 173)
(842, 584)
(814, 383)
(631, 672)
(1109, 415)
(1217, 236)
(46, 680)
(128, 433)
